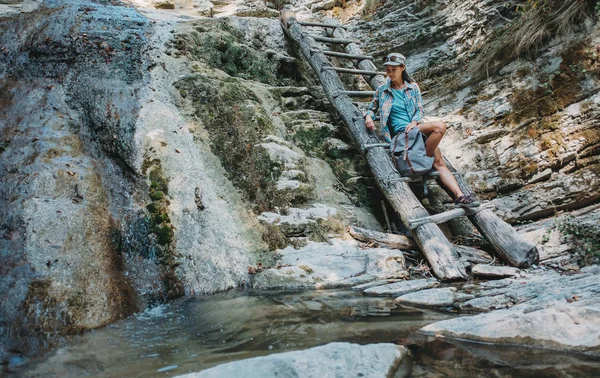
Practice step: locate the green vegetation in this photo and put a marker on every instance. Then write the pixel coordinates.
(160, 227)
(222, 48)
(584, 237)
(236, 122)
(536, 22)
(165, 5)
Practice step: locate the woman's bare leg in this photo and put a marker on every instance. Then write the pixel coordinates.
(434, 130)
(446, 176)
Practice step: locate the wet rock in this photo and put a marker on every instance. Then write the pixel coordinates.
(400, 288)
(559, 326)
(441, 297)
(331, 360)
(325, 265)
(299, 221)
(494, 271)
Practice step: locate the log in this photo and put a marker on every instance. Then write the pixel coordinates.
(504, 239)
(401, 242)
(473, 255)
(442, 257)
(389, 240)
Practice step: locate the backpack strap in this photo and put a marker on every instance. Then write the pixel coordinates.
(395, 142)
(406, 153)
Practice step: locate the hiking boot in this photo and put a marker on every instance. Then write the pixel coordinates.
(466, 201)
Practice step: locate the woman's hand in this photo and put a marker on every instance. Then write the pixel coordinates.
(369, 122)
(410, 126)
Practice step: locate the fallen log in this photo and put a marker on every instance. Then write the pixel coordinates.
(442, 257)
(389, 240)
(468, 254)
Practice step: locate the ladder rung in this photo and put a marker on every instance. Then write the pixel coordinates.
(339, 41)
(353, 71)
(318, 24)
(344, 55)
(358, 93)
(442, 217)
(374, 145)
(429, 176)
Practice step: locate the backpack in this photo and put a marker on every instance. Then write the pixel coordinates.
(408, 153)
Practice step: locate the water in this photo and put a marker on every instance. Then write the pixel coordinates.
(196, 333)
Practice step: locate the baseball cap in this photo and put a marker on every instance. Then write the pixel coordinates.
(394, 59)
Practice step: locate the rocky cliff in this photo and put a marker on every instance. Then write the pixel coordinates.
(149, 151)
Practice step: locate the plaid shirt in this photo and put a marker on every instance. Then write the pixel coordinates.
(383, 100)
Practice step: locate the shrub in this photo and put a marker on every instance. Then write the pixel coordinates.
(584, 237)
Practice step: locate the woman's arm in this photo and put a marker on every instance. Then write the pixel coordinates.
(371, 111)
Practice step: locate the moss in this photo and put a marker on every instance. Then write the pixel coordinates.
(306, 268)
(236, 122)
(164, 234)
(156, 195)
(311, 139)
(222, 48)
(584, 237)
(165, 5)
(274, 238)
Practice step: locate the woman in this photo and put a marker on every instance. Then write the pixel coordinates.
(400, 109)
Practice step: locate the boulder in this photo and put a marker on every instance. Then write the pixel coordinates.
(338, 263)
(331, 360)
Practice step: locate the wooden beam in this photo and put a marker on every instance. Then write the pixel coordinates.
(442, 257)
(441, 217)
(352, 71)
(318, 24)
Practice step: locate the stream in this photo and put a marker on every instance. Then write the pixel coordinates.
(196, 333)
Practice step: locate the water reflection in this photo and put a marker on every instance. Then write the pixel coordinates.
(201, 332)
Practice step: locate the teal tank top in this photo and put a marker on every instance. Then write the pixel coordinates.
(399, 117)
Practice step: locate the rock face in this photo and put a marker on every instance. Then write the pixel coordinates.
(331, 360)
(532, 138)
(326, 265)
(67, 167)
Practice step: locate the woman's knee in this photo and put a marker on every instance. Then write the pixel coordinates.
(440, 127)
(438, 163)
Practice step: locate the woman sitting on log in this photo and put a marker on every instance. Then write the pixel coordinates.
(398, 103)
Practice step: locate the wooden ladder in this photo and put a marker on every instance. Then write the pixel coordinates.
(432, 242)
